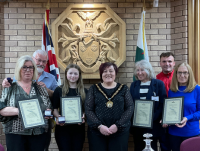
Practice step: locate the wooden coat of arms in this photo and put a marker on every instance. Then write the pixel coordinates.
(88, 35)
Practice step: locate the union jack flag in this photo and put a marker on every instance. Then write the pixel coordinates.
(47, 45)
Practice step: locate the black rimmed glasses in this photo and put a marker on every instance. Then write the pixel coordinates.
(39, 60)
(30, 68)
(184, 73)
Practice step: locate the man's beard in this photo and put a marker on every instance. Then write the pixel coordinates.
(41, 69)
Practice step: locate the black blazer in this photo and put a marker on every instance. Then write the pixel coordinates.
(158, 87)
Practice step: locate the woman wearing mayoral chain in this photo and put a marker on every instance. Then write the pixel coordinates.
(108, 108)
(69, 137)
(184, 85)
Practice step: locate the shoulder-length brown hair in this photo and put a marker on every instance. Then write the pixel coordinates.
(191, 81)
(80, 87)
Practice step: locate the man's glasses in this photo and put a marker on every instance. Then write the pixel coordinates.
(184, 73)
(25, 68)
(39, 60)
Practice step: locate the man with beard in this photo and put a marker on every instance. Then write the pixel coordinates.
(44, 79)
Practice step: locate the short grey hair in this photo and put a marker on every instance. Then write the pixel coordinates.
(20, 63)
(147, 68)
(42, 52)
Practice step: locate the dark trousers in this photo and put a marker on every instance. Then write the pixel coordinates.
(108, 143)
(69, 140)
(175, 142)
(15, 142)
(164, 142)
(48, 139)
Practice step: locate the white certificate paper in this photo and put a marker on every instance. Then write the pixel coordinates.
(143, 113)
(71, 110)
(172, 112)
(31, 113)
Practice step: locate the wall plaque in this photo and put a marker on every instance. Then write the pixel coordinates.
(88, 35)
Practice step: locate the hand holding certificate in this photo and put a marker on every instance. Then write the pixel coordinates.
(31, 113)
(173, 110)
(143, 113)
(71, 109)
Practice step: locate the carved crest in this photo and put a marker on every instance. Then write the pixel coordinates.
(89, 37)
(89, 52)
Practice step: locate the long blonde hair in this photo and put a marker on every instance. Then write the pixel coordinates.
(80, 87)
(191, 81)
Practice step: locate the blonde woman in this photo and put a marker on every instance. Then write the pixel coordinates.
(184, 84)
(18, 138)
(69, 137)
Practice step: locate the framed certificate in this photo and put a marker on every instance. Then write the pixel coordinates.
(30, 113)
(173, 110)
(143, 113)
(71, 109)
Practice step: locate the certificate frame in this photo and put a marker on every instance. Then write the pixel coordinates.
(30, 113)
(173, 110)
(143, 113)
(71, 109)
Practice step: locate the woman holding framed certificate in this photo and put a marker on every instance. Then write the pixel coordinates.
(68, 101)
(22, 108)
(108, 108)
(147, 89)
(184, 85)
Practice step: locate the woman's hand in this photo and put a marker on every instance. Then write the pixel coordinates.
(5, 83)
(47, 116)
(183, 123)
(9, 111)
(113, 128)
(164, 125)
(58, 122)
(83, 117)
(105, 130)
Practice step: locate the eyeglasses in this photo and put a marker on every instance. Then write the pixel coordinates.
(39, 60)
(184, 73)
(25, 68)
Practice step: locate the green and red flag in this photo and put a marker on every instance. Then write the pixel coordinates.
(141, 50)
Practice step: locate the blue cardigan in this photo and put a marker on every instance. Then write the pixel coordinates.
(158, 87)
(191, 112)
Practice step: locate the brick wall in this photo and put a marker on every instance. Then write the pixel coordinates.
(21, 27)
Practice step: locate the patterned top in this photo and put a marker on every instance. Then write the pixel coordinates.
(98, 113)
(15, 125)
(144, 88)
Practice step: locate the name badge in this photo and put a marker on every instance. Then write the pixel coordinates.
(155, 98)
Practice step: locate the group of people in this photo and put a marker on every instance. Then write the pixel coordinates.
(107, 106)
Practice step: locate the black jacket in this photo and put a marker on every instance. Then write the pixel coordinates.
(158, 87)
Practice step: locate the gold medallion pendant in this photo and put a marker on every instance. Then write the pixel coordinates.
(109, 104)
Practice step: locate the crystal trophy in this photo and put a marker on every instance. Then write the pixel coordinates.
(148, 142)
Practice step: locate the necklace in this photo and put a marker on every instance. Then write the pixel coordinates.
(109, 104)
(26, 88)
(181, 91)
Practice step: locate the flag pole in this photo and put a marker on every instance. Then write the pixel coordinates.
(48, 5)
(144, 6)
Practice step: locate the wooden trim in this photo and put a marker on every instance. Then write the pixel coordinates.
(194, 37)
